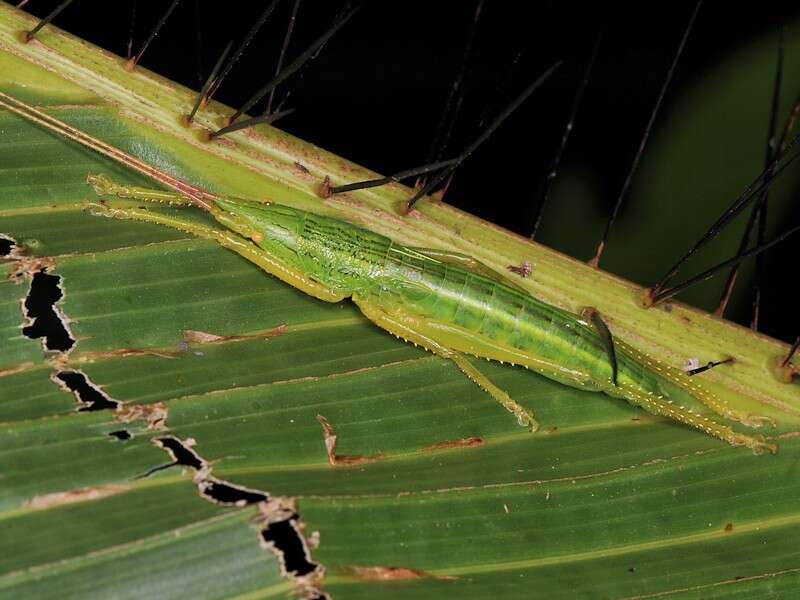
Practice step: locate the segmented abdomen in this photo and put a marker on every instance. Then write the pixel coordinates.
(352, 259)
(512, 319)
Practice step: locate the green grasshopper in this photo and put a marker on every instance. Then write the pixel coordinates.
(450, 304)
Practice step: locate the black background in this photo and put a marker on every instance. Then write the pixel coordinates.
(375, 93)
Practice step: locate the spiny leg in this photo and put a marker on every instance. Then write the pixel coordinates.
(403, 326)
(713, 402)
(104, 186)
(659, 406)
(229, 240)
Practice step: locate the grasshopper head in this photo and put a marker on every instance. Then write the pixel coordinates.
(266, 224)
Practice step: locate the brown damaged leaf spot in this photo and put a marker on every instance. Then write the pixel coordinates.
(201, 337)
(331, 439)
(392, 574)
(75, 496)
(462, 443)
(17, 369)
(154, 415)
(88, 357)
(27, 266)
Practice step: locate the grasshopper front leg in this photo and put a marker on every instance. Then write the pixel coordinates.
(224, 237)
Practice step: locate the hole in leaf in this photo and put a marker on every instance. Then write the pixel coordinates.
(122, 435)
(7, 246)
(40, 309)
(91, 397)
(225, 493)
(282, 533)
(181, 453)
(288, 543)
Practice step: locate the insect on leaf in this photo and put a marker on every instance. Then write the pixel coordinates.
(207, 471)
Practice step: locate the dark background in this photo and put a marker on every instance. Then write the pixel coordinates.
(375, 95)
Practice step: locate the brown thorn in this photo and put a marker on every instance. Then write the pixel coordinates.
(131, 63)
(397, 177)
(265, 14)
(552, 171)
(325, 188)
(785, 362)
(268, 119)
(662, 294)
(53, 14)
(295, 66)
(287, 36)
(759, 211)
(202, 97)
(643, 143)
(131, 29)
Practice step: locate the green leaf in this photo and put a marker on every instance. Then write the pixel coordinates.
(437, 491)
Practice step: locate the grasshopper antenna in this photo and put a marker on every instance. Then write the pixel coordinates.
(287, 36)
(552, 172)
(595, 262)
(295, 65)
(758, 214)
(53, 14)
(132, 62)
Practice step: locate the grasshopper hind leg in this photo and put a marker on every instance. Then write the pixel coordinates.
(660, 406)
(685, 384)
